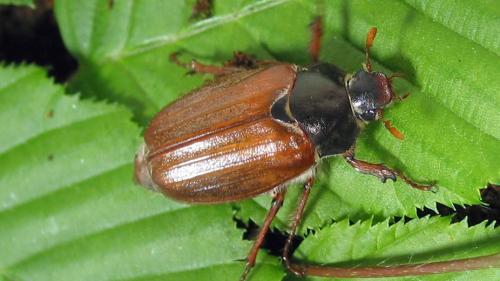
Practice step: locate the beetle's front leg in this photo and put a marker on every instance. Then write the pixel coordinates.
(381, 171)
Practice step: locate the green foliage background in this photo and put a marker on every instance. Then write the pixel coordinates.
(28, 3)
(70, 211)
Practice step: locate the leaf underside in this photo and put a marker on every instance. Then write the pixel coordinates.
(69, 208)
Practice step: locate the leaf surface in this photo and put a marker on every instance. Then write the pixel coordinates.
(451, 14)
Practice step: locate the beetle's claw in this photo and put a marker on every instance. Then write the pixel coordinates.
(433, 187)
(386, 174)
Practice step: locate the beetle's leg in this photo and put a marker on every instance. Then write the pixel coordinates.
(202, 9)
(381, 171)
(467, 264)
(196, 67)
(393, 130)
(316, 36)
(252, 255)
(370, 37)
(295, 224)
(491, 261)
(242, 60)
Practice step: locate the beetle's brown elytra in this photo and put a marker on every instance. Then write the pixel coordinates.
(230, 148)
(261, 125)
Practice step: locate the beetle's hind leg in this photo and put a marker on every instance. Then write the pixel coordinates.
(299, 213)
(300, 269)
(197, 67)
(381, 171)
(242, 60)
(252, 255)
(239, 62)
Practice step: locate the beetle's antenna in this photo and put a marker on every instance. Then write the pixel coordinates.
(393, 130)
(317, 34)
(316, 28)
(388, 125)
(370, 37)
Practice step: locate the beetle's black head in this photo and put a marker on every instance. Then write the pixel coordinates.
(369, 93)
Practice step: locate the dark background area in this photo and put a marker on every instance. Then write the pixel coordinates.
(31, 36)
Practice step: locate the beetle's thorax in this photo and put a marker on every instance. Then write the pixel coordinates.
(321, 106)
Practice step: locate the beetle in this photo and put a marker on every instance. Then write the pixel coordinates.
(262, 125)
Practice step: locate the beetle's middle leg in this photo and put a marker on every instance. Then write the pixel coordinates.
(252, 255)
(381, 171)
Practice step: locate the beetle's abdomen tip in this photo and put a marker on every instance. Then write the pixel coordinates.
(142, 173)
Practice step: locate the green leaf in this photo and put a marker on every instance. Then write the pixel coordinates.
(418, 241)
(28, 3)
(450, 121)
(451, 13)
(70, 211)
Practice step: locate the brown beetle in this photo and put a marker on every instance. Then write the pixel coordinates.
(261, 125)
